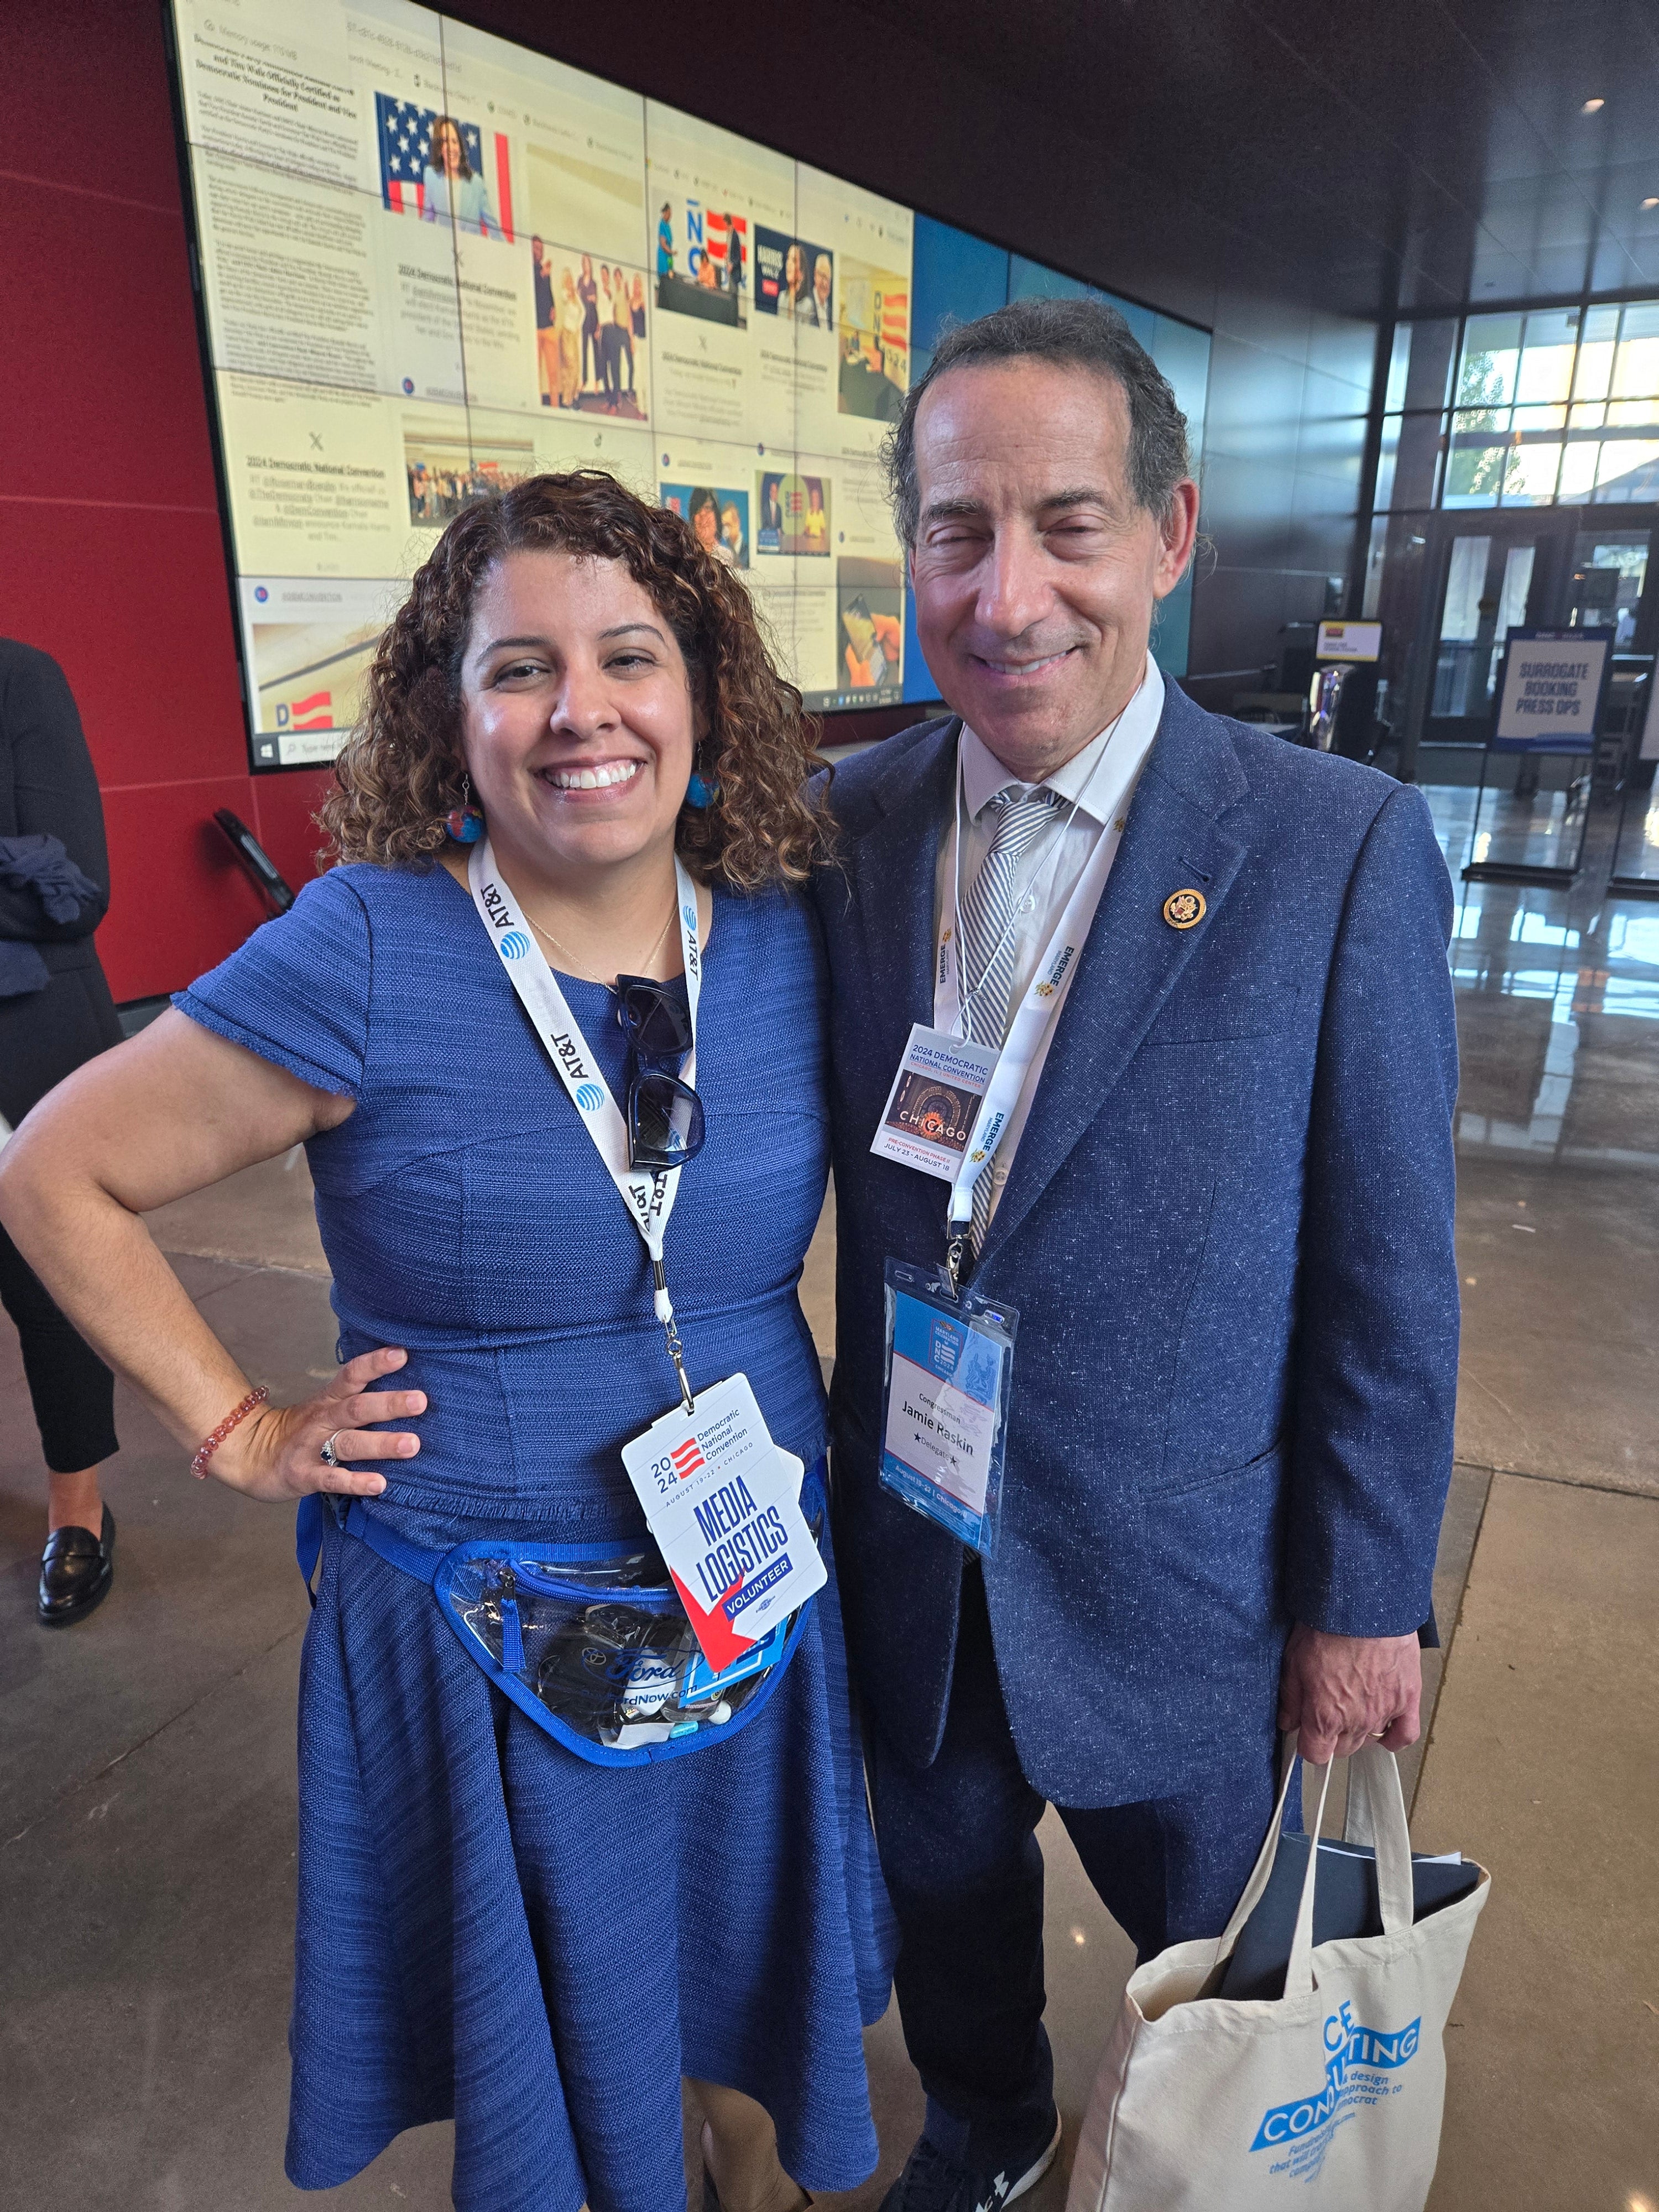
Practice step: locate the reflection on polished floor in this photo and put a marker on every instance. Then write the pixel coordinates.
(147, 1764)
(1558, 988)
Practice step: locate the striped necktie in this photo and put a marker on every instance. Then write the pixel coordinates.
(988, 946)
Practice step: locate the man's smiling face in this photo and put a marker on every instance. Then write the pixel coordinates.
(1035, 571)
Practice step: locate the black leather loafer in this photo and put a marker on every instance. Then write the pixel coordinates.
(76, 1569)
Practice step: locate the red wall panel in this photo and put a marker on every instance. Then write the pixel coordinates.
(111, 551)
(164, 835)
(283, 824)
(134, 602)
(103, 375)
(86, 91)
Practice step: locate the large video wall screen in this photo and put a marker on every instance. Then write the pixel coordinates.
(435, 263)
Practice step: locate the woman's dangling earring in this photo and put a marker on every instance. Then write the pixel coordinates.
(465, 824)
(700, 794)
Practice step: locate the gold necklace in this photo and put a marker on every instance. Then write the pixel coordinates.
(649, 953)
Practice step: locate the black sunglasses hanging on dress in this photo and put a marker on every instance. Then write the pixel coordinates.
(665, 1115)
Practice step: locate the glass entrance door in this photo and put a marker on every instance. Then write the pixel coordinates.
(1493, 572)
(1495, 577)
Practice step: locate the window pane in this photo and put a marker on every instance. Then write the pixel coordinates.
(1633, 414)
(1492, 346)
(1399, 362)
(1595, 368)
(1579, 466)
(1529, 480)
(1466, 578)
(1517, 583)
(1636, 372)
(1609, 568)
(1546, 371)
(1629, 470)
(1374, 559)
(1475, 465)
(1387, 457)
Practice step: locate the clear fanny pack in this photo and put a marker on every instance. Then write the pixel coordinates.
(591, 1641)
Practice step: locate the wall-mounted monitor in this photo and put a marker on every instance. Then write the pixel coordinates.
(434, 262)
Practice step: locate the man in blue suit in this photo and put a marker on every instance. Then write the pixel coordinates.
(1221, 1206)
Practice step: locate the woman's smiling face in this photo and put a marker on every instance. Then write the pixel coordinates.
(578, 717)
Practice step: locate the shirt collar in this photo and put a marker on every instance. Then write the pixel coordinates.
(1129, 739)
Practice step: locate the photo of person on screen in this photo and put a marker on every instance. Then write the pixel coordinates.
(875, 643)
(815, 523)
(621, 342)
(795, 299)
(705, 519)
(818, 312)
(547, 324)
(769, 535)
(706, 274)
(570, 340)
(588, 292)
(731, 534)
(451, 190)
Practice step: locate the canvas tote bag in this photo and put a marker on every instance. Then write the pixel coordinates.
(1327, 2097)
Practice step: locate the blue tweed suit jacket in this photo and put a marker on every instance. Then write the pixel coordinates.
(1228, 1232)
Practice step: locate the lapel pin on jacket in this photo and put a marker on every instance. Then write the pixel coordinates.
(1184, 909)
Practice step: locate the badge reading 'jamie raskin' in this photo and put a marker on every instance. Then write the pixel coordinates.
(1184, 909)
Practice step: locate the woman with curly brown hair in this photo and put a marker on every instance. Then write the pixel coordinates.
(558, 1851)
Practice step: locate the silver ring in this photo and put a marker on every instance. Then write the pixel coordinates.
(329, 1457)
(1377, 1734)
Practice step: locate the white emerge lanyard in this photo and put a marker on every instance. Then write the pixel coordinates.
(1036, 1010)
(647, 1193)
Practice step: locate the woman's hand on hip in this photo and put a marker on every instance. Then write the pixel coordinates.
(277, 1453)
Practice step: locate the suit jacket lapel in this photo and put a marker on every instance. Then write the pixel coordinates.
(1132, 957)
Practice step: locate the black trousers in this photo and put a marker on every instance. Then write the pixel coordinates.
(72, 1390)
(959, 1852)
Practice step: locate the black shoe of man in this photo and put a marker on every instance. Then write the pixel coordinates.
(76, 1569)
(933, 2182)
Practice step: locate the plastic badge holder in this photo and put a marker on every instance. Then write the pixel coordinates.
(949, 1365)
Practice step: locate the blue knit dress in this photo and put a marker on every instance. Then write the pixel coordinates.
(489, 1927)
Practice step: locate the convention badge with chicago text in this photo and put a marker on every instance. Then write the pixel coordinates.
(934, 1102)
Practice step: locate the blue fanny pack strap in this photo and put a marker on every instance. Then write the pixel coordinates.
(311, 1518)
(414, 1559)
(308, 1538)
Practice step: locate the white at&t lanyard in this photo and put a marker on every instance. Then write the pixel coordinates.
(647, 1193)
(1030, 1022)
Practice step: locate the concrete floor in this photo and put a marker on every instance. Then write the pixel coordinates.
(146, 1762)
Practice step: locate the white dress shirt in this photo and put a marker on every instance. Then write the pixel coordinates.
(1101, 781)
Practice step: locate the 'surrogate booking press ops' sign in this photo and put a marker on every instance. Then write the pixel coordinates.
(1550, 697)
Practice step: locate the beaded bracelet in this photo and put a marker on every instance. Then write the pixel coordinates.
(209, 1445)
